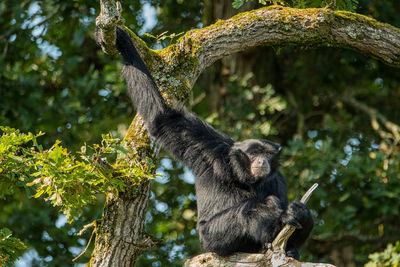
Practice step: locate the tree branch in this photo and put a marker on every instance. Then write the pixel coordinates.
(247, 260)
(109, 17)
(375, 117)
(184, 61)
(282, 26)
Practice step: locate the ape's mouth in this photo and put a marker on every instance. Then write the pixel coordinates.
(260, 171)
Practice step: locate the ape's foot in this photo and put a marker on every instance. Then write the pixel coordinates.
(292, 252)
(265, 247)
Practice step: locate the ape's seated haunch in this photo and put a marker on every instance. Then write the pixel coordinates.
(241, 196)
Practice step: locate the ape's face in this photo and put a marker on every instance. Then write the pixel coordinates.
(263, 155)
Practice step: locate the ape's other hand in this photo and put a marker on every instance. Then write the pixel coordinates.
(296, 215)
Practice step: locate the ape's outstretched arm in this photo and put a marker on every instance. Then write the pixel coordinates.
(186, 137)
(142, 89)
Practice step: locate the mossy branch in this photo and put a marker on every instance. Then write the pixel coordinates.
(283, 26)
(184, 61)
(109, 17)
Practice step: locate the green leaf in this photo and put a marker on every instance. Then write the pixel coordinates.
(237, 3)
(19, 159)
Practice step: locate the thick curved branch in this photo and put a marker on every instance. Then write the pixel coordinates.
(184, 61)
(281, 26)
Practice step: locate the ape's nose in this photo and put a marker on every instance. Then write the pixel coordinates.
(264, 163)
(261, 162)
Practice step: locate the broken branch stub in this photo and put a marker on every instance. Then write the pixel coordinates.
(110, 16)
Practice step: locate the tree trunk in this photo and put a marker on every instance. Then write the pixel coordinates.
(120, 235)
(215, 79)
(120, 238)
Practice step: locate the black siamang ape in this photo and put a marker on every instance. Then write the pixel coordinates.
(241, 196)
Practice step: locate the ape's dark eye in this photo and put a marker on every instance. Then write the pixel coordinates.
(257, 152)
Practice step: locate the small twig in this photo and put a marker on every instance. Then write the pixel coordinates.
(392, 130)
(86, 248)
(197, 100)
(332, 5)
(281, 239)
(307, 195)
(84, 229)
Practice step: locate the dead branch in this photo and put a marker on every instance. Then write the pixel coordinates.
(392, 129)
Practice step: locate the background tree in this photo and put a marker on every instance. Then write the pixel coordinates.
(334, 110)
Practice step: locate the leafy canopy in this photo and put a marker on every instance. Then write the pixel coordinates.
(67, 180)
(10, 247)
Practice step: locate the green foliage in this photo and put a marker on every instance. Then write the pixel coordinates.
(15, 169)
(66, 180)
(238, 3)
(389, 257)
(10, 247)
(163, 36)
(366, 183)
(55, 79)
(349, 5)
(50, 60)
(260, 104)
(359, 179)
(172, 217)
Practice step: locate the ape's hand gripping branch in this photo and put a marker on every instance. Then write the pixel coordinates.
(279, 243)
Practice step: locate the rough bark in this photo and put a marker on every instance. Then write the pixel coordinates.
(249, 260)
(110, 15)
(120, 235)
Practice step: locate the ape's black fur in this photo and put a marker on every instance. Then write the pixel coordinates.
(237, 211)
